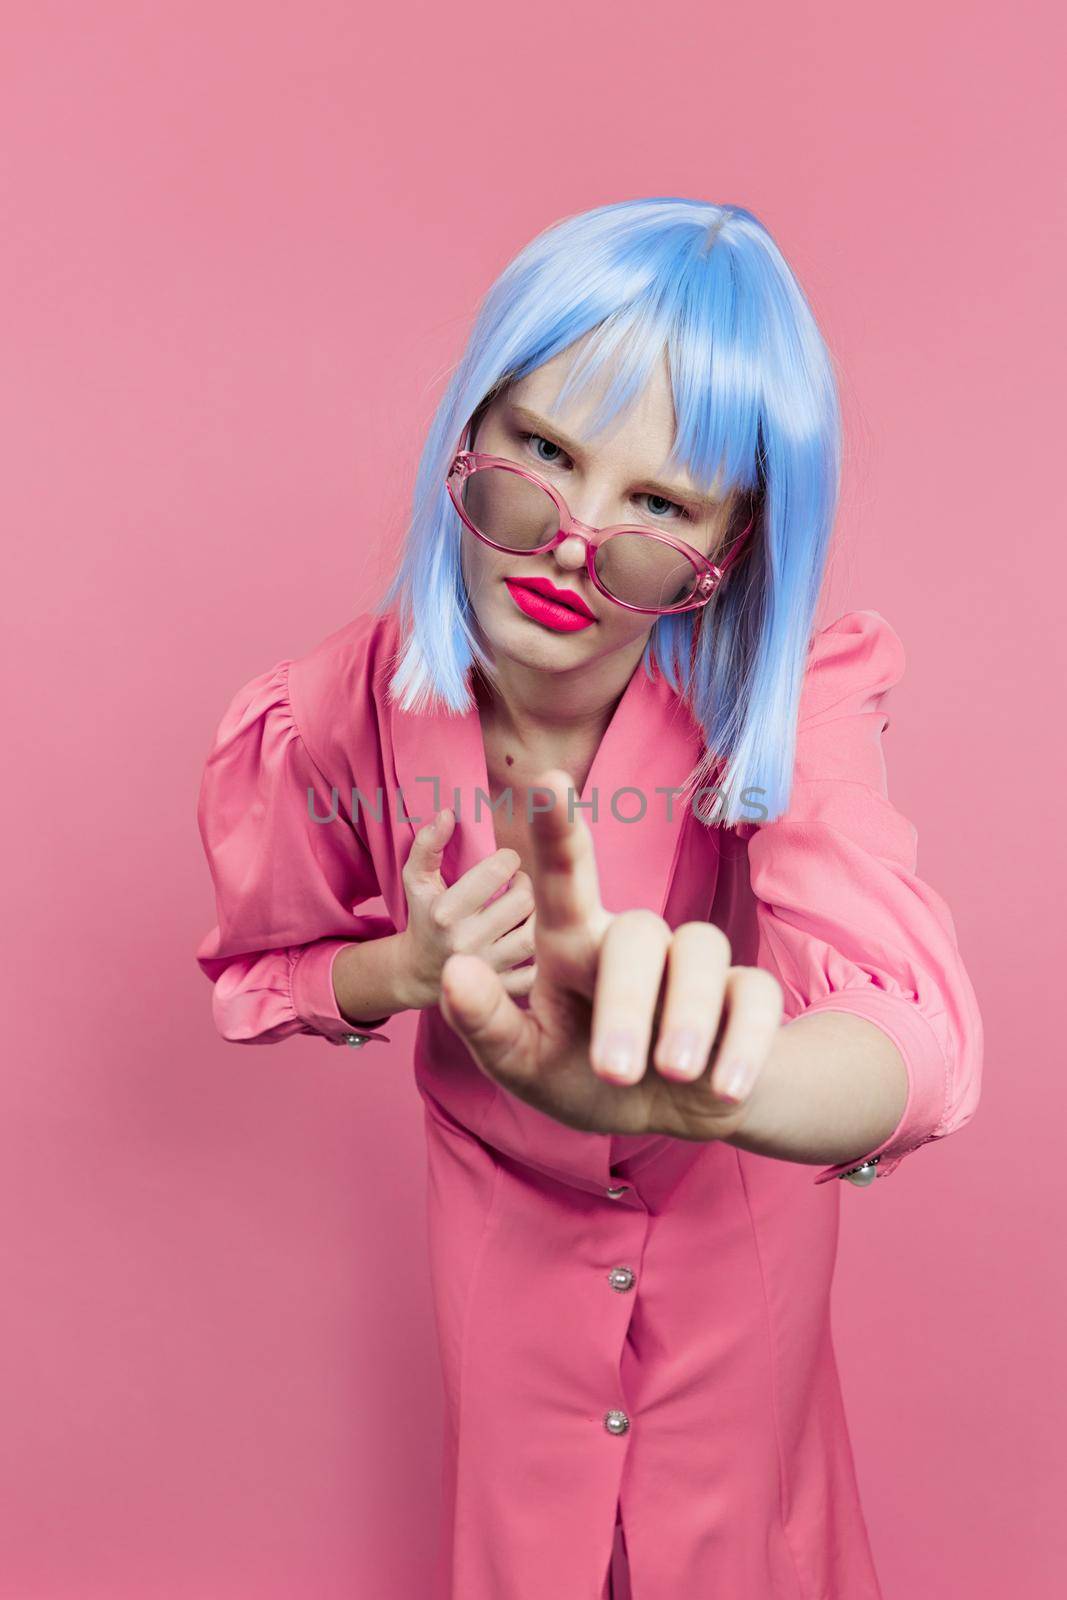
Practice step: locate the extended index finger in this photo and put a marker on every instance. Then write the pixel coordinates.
(563, 868)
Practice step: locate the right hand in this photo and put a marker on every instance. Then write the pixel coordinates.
(602, 972)
(453, 919)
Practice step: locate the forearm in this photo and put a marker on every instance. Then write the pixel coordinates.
(833, 1088)
(371, 979)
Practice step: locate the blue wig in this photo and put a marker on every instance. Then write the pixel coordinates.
(755, 401)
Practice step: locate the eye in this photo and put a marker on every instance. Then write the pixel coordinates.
(661, 510)
(549, 461)
(682, 513)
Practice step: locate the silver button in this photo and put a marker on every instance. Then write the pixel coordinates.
(355, 1039)
(863, 1175)
(621, 1278)
(616, 1190)
(616, 1422)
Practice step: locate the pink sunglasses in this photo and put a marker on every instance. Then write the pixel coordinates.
(708, 574)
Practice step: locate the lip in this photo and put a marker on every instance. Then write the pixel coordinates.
(541, 599)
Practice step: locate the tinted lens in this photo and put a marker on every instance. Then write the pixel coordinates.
(509, 509)
(643, 571)
(635, 567)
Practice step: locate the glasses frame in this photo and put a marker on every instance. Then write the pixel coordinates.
(710, 573)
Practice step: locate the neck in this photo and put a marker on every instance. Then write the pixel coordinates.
(553, 718)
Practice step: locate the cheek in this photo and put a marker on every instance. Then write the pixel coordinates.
(480, 567)
(633, 627)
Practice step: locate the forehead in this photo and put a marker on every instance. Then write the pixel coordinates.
(649, 416)
(637, 441)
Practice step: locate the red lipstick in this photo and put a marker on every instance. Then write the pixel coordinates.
(560, 609)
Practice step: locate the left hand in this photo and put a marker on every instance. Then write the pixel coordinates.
(599, 973)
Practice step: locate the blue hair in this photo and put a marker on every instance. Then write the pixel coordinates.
(756, 405)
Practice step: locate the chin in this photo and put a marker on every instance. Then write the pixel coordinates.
(517, 638)
(522, 640)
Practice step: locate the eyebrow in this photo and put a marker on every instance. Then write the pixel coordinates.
(543, 426)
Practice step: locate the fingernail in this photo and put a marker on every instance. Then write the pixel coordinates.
(680, 1050)
(616, 1053)
(736, 1081)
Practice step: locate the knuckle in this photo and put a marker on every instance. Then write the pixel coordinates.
(641, 920)
(439, 916)
(413, 871)
(703, 939)
(763, 986)
(695, 1002)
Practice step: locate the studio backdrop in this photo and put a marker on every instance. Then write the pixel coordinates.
(243, 247)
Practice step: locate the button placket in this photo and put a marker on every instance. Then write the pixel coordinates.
(622, 1278)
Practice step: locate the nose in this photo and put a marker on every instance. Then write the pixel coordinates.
(570, 553)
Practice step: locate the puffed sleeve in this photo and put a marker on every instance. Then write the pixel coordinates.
(844, 921)
(286, 886)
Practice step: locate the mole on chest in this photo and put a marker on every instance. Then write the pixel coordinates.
(513, 772)
(511, 821)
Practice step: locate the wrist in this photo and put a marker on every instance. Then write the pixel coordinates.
(367, 982)
(413, 993)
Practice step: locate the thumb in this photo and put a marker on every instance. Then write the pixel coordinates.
(428, 846)
(477, 1007)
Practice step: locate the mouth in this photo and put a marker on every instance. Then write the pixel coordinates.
(565, 598)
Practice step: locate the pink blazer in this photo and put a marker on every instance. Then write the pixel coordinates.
(632, 1328)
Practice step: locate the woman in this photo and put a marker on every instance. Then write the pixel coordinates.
(598, 673)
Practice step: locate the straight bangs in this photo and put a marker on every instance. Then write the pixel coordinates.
(756, 414)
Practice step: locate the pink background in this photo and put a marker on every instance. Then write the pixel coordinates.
(242, 244)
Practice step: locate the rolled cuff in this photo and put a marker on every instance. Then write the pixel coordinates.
(314, 1000)
(927, 1069)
